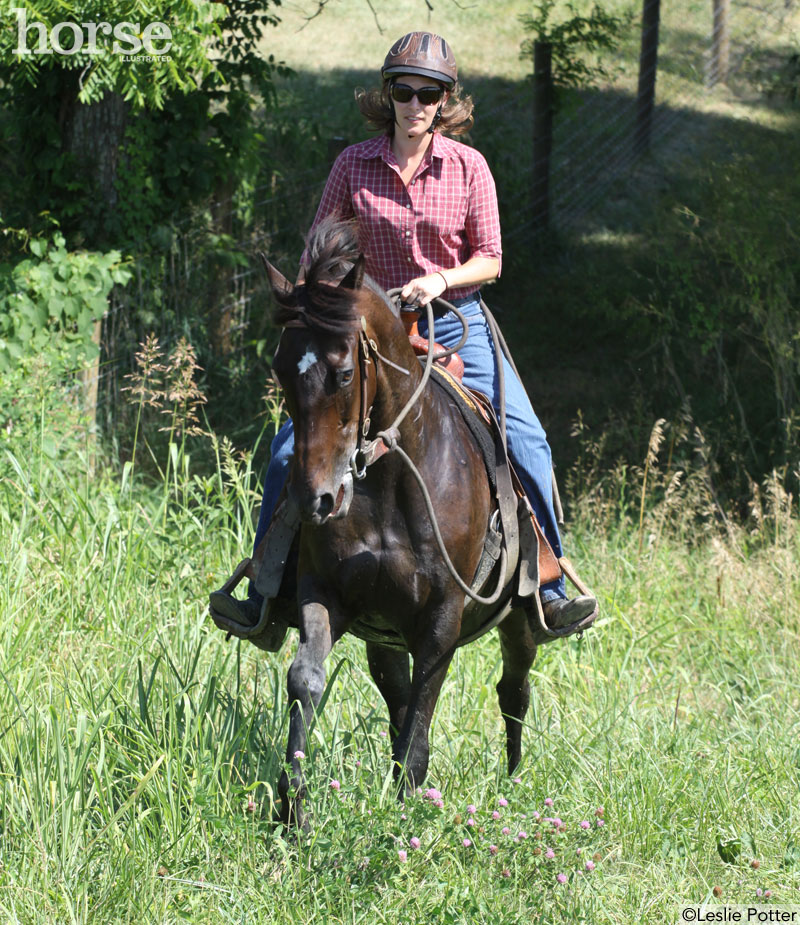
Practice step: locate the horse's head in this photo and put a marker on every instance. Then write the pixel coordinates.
(317, 366)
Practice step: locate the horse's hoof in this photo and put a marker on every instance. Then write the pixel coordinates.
(293, 818)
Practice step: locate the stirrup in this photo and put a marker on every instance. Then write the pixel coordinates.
(543, 633)
(267, 633)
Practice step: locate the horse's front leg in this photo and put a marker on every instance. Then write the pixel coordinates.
(320, 627)
(432, 656)
(389, 670)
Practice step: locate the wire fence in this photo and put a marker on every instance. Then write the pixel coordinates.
(593, 149)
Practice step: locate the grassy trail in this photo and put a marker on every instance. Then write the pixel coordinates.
(139, 749)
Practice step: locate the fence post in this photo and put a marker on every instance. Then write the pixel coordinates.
(542, 132)
(336, 145)
(648, 63)
(720, 43)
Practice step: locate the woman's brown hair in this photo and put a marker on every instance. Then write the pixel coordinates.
(376, 107)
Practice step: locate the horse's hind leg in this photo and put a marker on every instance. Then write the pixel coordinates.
(432, 656)
(389, 670)
(513, 689)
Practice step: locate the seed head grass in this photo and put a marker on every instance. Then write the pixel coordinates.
(140, 749)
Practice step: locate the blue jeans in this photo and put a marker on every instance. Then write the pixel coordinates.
(527, 443)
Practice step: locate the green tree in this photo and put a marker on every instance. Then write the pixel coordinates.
(576, 42)
(118, 149)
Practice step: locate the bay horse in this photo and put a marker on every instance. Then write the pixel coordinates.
(369, 562)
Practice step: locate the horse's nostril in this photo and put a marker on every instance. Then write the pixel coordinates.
(325, 506)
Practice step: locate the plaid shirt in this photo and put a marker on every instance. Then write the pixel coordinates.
(447, 214)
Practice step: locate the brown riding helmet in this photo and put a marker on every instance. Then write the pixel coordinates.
(422, 53)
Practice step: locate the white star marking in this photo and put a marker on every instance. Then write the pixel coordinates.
(307, 360)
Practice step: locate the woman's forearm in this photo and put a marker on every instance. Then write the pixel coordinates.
(475, 271)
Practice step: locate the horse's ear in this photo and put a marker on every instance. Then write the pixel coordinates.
(280, 285)
(355, 276)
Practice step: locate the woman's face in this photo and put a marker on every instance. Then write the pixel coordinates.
(414, 118)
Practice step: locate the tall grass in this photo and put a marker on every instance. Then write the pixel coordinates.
(138, 748)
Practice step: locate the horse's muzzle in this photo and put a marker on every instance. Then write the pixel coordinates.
(318, 509)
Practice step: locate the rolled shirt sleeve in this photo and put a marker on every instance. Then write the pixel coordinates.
(482, 223)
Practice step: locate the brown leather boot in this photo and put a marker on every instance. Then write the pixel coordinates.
(561, 612)
(563, 617)
(246, 612)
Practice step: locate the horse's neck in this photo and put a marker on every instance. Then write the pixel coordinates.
(395, 387)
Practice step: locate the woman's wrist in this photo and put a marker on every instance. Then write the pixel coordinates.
(446, 284)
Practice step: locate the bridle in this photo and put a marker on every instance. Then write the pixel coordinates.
(369, 451)
(386, 441)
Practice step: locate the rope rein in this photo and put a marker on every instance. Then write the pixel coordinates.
(387, 441)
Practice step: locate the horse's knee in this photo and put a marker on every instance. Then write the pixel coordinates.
(305, 681)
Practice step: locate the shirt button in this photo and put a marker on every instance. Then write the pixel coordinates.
(408, 205)
(408, 234)
(408, 259)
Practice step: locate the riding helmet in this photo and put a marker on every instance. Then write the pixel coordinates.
(422, 53)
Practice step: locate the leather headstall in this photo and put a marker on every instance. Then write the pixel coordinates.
(369, 451)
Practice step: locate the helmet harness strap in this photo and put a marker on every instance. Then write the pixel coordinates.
(435, 121)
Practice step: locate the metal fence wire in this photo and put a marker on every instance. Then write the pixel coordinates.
(593, 150)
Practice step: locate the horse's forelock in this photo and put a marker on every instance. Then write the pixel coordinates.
(319, 302)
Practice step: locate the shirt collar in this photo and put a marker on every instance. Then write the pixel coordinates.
(381, 146)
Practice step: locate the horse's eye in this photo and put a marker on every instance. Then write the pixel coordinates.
(344, 377)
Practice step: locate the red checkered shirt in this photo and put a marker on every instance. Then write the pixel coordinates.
(447, 214)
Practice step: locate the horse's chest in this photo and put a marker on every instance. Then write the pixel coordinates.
(377, 573)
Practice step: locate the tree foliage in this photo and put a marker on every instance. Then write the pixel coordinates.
(572, 39)
(195, 26)
(50, 301)
(186, 123)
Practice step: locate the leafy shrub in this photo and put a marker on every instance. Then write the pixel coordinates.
(53, 299)
(576, 42)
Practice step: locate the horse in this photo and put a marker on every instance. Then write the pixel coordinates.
(368, 560)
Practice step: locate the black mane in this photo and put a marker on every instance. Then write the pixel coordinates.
(319, 302)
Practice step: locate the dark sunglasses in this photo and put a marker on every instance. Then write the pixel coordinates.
(402, 93)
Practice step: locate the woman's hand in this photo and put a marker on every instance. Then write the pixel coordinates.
(423, 289)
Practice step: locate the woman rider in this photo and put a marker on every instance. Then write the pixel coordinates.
(427, 221)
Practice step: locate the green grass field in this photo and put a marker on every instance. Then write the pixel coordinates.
(139, 749)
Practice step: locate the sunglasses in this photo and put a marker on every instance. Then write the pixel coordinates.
(402, 93)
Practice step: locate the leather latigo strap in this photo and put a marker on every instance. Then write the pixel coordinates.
(548, 567)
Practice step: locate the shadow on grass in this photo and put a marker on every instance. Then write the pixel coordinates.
(593, 308)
